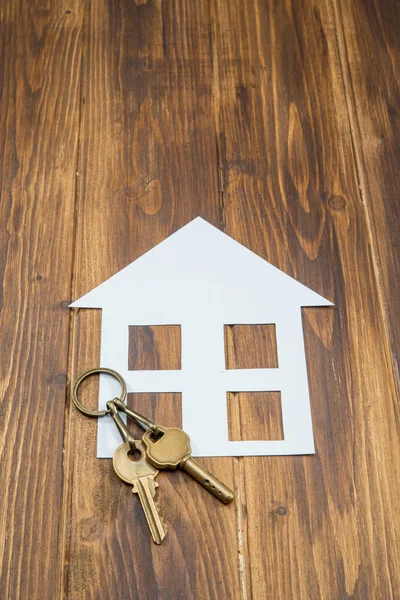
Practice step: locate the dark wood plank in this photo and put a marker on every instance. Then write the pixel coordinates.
(369, 40)
(148, 166)
(40, 53)
(324, 526)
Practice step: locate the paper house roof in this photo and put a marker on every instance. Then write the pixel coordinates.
(199, 271)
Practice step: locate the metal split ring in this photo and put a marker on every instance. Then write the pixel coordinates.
(99, 370)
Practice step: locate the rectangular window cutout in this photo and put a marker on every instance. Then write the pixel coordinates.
(163, 407)
(154, 347)
(254, 416)
(250, 347)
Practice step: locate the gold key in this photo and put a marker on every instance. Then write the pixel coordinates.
(169, 448)
(140, 474)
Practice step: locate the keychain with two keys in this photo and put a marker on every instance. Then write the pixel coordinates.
(160, 448)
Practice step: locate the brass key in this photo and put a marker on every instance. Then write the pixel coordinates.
(169, 448)
(140, 473)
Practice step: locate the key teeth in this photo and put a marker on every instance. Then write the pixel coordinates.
(164, 525)
(160, 514)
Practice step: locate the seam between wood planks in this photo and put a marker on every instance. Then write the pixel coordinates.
(241, 536)
(362, 185)
(64, 527)
(216, 97)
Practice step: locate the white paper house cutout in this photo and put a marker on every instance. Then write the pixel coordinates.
(201, 279)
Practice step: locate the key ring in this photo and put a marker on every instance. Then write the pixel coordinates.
(99, 370)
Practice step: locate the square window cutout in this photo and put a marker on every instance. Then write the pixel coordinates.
(154, 347)
(250, 346)
(160, 407)
(254, 416)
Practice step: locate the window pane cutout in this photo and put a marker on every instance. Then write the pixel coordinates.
(160, 408)
(154, 347)
(254, 416)
(251, 346)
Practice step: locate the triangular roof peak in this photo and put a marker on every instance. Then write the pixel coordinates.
(201, 255)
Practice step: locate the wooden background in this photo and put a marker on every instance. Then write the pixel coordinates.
(278, 122)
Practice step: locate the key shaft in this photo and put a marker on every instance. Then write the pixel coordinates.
(207, 480)
(172, 451)
(145, 488)
(140, 474)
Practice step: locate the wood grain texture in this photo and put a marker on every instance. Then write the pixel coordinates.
(40, 53)
(324, 526)
(368, 33)
(148, 166)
